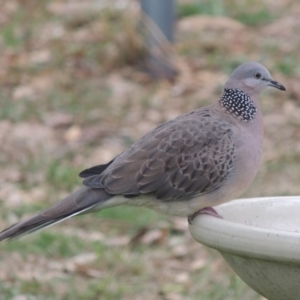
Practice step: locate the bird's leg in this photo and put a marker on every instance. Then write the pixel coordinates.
(204, 211)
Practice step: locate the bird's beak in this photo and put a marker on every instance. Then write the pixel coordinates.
(276, 85)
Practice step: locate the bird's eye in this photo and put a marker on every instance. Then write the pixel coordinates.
(257, 75)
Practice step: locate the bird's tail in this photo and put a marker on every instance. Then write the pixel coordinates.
(79, 202)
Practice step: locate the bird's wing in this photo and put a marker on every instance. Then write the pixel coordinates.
(179, 160)
(94, 170)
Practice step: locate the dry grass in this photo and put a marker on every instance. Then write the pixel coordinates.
(71, 94)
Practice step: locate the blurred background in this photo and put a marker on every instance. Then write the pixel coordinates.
(76, 89)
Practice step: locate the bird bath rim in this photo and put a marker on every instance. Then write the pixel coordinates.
(254, 241)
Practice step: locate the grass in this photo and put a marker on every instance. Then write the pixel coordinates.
(197, 7)
(256, 18)
(47, 243)
(61, 175)
(287, 66)
(250, 12)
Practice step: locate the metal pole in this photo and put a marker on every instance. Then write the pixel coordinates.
(162, 16)
(162, 12)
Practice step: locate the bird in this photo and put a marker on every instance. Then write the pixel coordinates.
(183, 167)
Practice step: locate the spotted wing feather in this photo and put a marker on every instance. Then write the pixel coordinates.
(178, 160)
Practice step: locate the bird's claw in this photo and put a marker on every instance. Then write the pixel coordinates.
(204, 211)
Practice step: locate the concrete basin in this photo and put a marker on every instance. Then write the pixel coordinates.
(260, 240)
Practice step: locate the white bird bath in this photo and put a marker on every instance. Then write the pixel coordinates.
(260, 240)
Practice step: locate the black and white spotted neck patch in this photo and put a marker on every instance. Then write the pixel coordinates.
(239, 104)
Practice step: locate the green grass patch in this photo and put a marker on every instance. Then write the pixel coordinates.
(47, 244)
(136, 215)
(288, 66)
(17, 111)
(256, 18)
(214, 7)
(62, 175)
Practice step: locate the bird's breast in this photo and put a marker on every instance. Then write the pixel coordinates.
(249, 150)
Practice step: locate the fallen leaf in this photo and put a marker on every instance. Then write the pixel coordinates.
(57, 119)
(73, 134)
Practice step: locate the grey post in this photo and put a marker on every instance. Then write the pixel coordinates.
(162, 13)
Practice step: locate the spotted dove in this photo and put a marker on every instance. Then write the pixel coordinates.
(184, 166)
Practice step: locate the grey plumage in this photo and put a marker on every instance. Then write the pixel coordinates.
(78, 202)
(183, 158)
(197, 160)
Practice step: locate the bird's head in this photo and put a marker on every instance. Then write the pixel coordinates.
(252, 77)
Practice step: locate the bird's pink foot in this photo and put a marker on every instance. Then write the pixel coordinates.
(204, 211)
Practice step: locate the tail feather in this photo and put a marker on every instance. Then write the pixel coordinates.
(76, 203)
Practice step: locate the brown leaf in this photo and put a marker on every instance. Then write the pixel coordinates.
(73, 134)
(58, 119)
